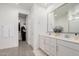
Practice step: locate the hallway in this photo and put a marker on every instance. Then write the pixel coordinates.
(23, 50)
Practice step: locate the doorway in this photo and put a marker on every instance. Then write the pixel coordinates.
(22, 27)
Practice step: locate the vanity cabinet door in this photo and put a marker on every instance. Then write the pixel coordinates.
(42, 43)
(71, 45)
(50, 46)
(65, 51)
(65, 48)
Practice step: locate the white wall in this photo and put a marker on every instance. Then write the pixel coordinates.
(22, 10)
(8, 26)
(40, 24)
(37, 25)
(29, 22)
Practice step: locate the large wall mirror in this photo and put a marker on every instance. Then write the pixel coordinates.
(66, 16)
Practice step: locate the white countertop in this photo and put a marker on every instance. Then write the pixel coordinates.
(62, 37)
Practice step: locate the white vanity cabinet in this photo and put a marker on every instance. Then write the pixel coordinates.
(48, 45)
(57, 46)
(42, 44)
(65, 48)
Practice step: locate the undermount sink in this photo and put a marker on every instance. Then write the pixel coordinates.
(66, 36)
(71, 38)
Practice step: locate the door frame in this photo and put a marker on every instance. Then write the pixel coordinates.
(20, 25)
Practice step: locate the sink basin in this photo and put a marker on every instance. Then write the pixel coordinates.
(66, 36)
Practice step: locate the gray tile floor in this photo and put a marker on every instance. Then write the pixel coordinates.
(23, 50)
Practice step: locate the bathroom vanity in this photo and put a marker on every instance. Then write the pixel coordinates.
(59, 45)
(67, 17)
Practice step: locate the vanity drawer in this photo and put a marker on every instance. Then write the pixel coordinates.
(50, 50)
(50, 41)
(68, 44)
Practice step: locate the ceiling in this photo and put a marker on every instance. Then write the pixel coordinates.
(45, 5)
(28, 6)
